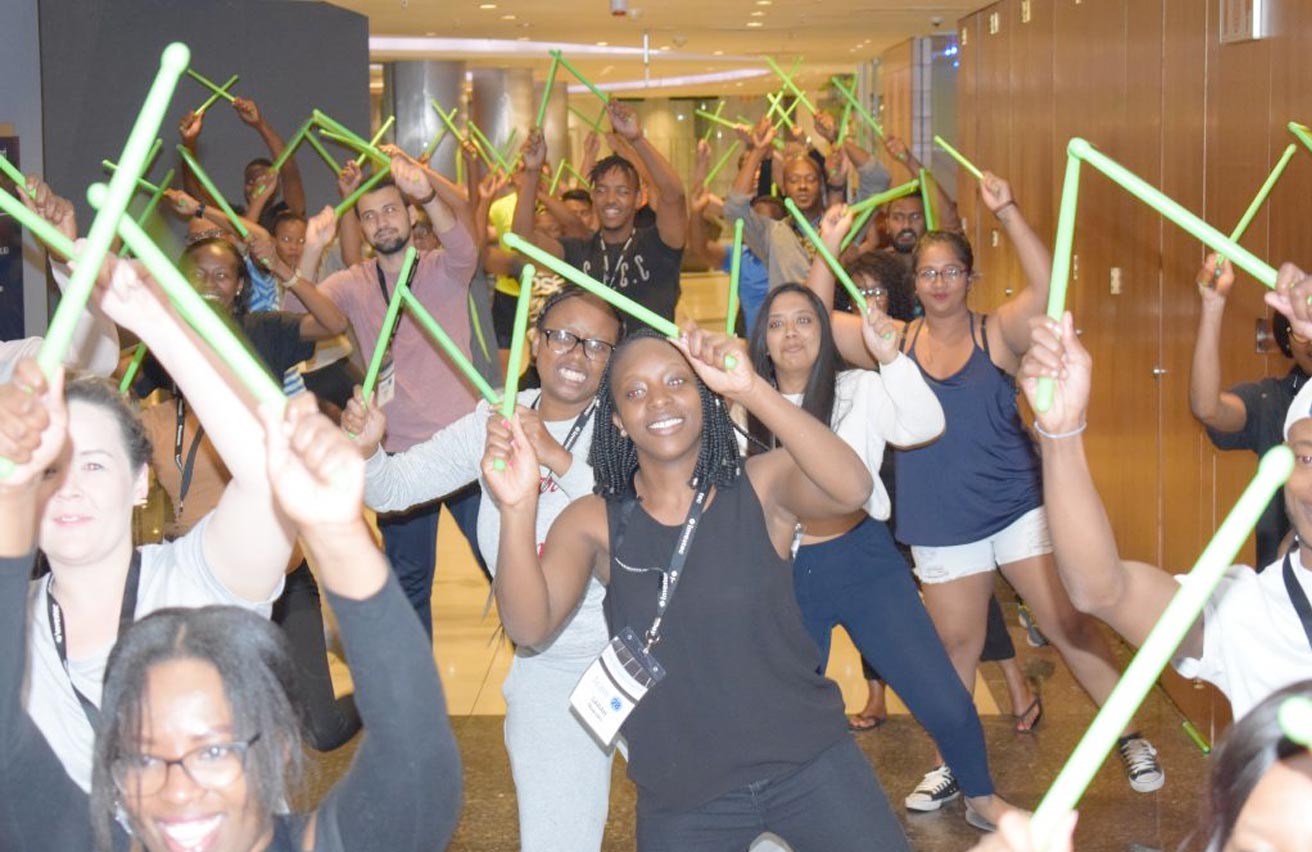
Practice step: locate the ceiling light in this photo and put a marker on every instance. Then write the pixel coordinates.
(430, 35)
(664, 47)
(758, 14)
(755, 24)
(487, 5)
(603, 44)
(764, 2)
(507, 17)
(717, 53)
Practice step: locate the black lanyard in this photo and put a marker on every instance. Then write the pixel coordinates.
(1297, 596)
(571, 437)
(126, 615)
(188, 467)
(387, 299)
(606, 277)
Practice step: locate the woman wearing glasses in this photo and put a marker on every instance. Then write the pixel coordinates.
(562, 777)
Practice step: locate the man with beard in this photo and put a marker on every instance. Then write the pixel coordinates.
(641, 262)
(906, 215)
(419, 389)
(786, 252)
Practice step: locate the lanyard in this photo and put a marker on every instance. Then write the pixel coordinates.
(670, 577)
(571, 437)
(126, 615)
(387, 300)
(606, 277)
(188, 467)
(1296, 595)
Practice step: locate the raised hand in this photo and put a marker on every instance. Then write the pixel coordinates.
(128, 295)
(763, 134)
(33, 424)
(879, 332)
(261, 246)
(826, 127)
(897, 149)
(319, 229)
(624, 120)
(189, 128)
(247, 111)
(510, 466)
(545, 447)
(995, 191)
(834, 226)
(408, 175)
(707, 352)
(1214, 287)
(181, 202)
(1291, 297)
(1056, 353)
(534, 150)
(54, 209)
(365, 426)
(349, 178)
(591, 145)
(316, 474)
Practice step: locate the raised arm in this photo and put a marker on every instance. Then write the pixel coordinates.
(189, 129)
(293, 190)
(247, 541)
(701, 248)
(1014, 315)
(537, 589)
(323, 318)
(671, 202)
(817, 474)
(534, 153)
(944, 205)
(1215, 408)
(848, 332)
(1128, 596)
(403, 789)
(756, 228)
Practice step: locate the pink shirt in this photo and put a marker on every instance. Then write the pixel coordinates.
(430, 391)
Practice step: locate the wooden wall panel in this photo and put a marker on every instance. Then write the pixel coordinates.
(995, 259)
(1032, 146)
(968, 38)
(895, 81)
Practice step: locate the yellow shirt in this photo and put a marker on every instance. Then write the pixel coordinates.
(499, 216)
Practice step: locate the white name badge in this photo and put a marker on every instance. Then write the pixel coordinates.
(386, 387)
(614, 684)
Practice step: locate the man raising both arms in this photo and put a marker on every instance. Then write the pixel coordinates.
(642, 263)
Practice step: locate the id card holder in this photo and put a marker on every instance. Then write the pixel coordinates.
(614, 684)
(386, 387)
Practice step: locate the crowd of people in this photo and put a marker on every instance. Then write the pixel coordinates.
(863, 466)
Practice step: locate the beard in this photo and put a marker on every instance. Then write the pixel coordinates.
(390, 245)
(904, 241)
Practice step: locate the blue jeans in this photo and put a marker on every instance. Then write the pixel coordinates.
(861, 582)
(832, 804)
(410, 540)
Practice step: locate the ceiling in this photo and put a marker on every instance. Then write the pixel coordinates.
(686, 37)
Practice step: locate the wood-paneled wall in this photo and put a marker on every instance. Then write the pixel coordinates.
(1148, 82)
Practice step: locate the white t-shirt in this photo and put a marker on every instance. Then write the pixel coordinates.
(1253, 640)
(172, 574)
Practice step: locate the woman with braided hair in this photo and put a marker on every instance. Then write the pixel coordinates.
(731, 729)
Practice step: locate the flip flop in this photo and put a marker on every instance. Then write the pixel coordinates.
(978, 820)
(861, 722)
(1020, 718)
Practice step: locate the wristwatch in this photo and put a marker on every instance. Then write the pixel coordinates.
(200, 211)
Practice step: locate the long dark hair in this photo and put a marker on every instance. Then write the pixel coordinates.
(1253, 746)
(614, 458)
(251, 657)
(818, 397)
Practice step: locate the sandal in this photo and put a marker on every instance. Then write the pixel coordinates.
(861, 722)
(1036, 707)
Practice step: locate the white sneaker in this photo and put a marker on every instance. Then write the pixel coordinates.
(1141, 765)
(934, 790)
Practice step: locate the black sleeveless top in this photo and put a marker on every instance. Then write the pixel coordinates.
(742, 699)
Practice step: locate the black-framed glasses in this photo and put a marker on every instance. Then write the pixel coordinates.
(949, 273)
(212, 766)
(562, 342)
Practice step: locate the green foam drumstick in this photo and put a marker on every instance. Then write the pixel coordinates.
(327, 122)
(1302, 132)
(435, 330)
(575, 172)
(138, 355)
(926, 197)
(389, 323)
(432, 146)
(719, 108)
(349, 201)
(149, 209)
(555, 178)
(1262, 193)
(488, 149)
(724, 158)
(880, 198)
(959, 157)
(448, 118)
(546, 91)
(735, 269)
(222, 91)
(373, 143)
(859, 107)
(715, 119)
(40, 228)
(788, 81)
(111, 167)
(19, 179)
(844, 122)
(857, 224)
(314, 143)
(587, 119)
(1295, 717)
(1157, 649)
(361, 147)
(291, 145)
(518, 333)
(248, 369)
(559, 57)
(823, 250)
(1062, 245)
(776, 104)
(213, 190)
(209, 84)
(1196, 736)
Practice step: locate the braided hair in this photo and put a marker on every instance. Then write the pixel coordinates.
(614, 457)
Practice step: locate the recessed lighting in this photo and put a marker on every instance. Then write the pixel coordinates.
(522, 38)
(717, 53)
(680, 117)
(664, 47)
(758, 14)
(603, 44)
(507, 17)
(755, 24)
(430, 34)
(487, 5)
(764, 2)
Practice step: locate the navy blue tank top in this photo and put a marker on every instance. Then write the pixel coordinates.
(983, 472)
(742, 700)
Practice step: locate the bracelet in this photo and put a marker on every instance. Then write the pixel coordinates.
(427, 200)
(295, 276)
(1057, 436)
(998, 212)
(200, 211)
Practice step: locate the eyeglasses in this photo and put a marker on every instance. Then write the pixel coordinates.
(211, 766)
(950, 273)
(563, 342)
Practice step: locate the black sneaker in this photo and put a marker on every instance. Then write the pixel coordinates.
(934, 790)
(1141, 766)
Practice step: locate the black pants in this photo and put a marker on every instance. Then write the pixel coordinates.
(997, 642)
(329, 721)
